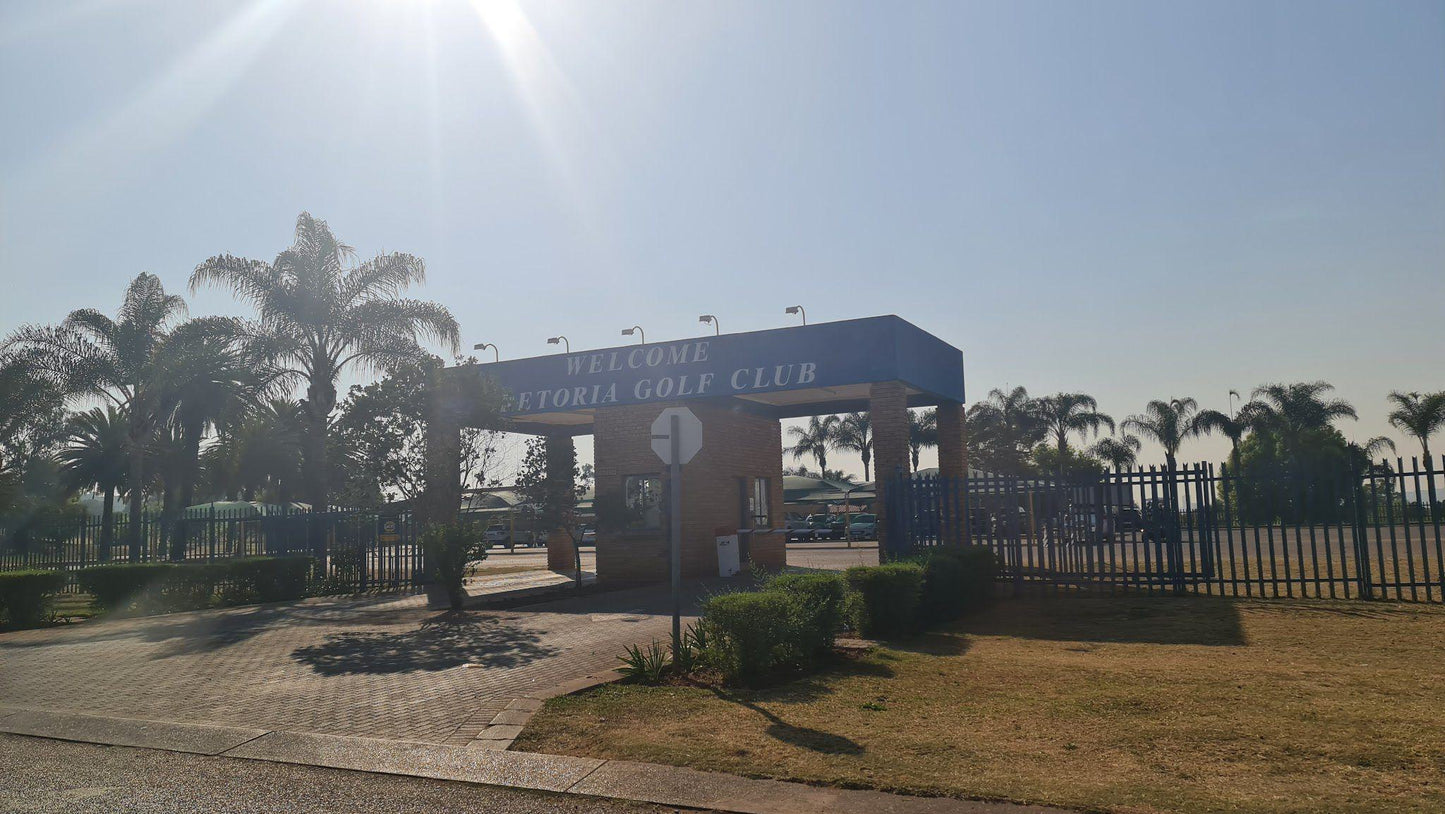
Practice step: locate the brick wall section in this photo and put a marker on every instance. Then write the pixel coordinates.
(561, 461)
(737, 448)
(953, 455)
(888, 412)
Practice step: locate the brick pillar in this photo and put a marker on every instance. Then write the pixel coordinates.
(888, 413)
(953, 465)
(441, 497)
(561, 471)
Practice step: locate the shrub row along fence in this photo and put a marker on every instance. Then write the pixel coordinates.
(353, 550)
(1346, 533)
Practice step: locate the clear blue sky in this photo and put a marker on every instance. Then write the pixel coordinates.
(1137, 200)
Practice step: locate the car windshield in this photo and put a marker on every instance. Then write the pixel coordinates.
(864, 518)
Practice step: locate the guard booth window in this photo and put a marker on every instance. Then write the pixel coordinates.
(759, 504)
(644, 500)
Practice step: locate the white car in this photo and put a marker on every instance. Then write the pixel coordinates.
(863, 527)
(496, 534)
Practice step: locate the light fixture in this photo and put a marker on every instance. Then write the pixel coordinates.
(553, 340)
(709, 319)
(496, 354)
(798, 309)
(635, 329)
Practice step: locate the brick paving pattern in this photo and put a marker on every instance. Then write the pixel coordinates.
(387, 668)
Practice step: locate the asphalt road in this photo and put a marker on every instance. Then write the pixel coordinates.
(42, 775)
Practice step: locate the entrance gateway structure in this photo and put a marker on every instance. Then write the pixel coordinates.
(740, 386)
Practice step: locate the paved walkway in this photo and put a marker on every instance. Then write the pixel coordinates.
(384, 668)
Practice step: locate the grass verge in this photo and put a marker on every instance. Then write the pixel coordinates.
(1116, 704)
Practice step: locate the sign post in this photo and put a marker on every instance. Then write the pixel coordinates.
(676, 438)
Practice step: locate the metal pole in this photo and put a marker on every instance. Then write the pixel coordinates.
(675, 486)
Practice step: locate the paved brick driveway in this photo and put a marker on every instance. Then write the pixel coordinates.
(385, 668)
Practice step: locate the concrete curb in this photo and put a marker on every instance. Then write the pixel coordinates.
(616, 779)
(506, 725)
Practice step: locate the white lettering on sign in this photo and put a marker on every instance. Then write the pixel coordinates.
(676, 384)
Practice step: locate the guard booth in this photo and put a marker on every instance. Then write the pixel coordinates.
(741, 386)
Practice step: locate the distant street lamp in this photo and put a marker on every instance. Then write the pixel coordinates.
(496, 354)
(711, 320)
(552, 340)
(798, 309)
(1233, 394)
(635, 329)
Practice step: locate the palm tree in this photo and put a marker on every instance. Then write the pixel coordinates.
(922, 432)
(119, 360)
(1169, 423)
(816, 439)
(1293, 410)
(1120, 452)
(23, 394)
(257, 453)
(1232, 427)
(95, 455)
(1064, 414)
(1419, 415)
(855, 432)
(1002, 429)
(323, 313)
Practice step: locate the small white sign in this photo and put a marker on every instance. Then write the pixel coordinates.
(729, 559)
(689, 435)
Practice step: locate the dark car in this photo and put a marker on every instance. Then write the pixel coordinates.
(826, 527)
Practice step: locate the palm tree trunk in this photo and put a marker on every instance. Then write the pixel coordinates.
(191, 437)
(107, 523)
(865, 466)
(135, 528)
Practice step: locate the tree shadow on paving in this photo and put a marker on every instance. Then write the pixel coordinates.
(442, 642)
(1198, 620)
(814, 740)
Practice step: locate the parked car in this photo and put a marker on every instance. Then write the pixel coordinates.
(864, 527)
(799, 530)
(496, 534)
(826, 527)
(589, 535)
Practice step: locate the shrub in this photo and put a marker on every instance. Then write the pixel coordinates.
(818, 612)
(268, 579)
(750, 632)
(887, 598)
(642, 665)
(116, 586)
(956, 579)
(450, 548)
(26, 596)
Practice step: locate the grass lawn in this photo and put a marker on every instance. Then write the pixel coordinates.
(1116, 704)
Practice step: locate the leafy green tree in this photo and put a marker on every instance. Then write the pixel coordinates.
(816, 439)
(922, 432)
(550, 482)
(322, 313)
(94, 456)
(1072, 464)
(1065, 414)
(1167, 423)
(1296, 413)
(855, 433)
(1419, 415)
(382, 430)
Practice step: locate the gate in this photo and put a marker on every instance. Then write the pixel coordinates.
(1356, 533)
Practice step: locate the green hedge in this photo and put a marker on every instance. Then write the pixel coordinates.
(956, 579)
(819, 612)
(164, 587)
(751, 634)
(26, 596)
(887, 598)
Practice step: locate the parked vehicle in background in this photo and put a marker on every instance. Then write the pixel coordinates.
(826, 527)
(496, 534)
(799, 530)
(589, 535)
(864, 527)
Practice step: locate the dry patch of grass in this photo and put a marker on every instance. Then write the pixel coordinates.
(1117, 704)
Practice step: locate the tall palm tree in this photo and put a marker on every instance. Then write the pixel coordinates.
(1120, 452)
(1294, 410)
(323, 313)
(1169, 423)
(121, 360)
(1419, 415)
(23, 394)
(1002, 429)
(1231, 427)
(1064, 414)
(855, 432)
(257, 453)
(922, 432)
(816, 439)
(95, 455)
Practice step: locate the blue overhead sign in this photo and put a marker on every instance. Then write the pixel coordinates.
(810, 357)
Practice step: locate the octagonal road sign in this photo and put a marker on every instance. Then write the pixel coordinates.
(689, 435)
